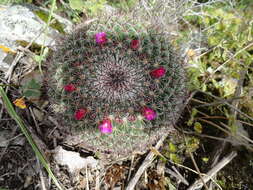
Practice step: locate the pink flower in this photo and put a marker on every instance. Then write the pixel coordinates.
(157, 73)
(69, 87)
(135, 44)
(149, 113)
(80, 113)
(101, 38)
(105, 126)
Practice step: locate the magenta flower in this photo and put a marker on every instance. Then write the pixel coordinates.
(105, 126)
(135, 44)
(101, 38)
(80, 113)
(149, 113)
(69, 87)
(157, 73)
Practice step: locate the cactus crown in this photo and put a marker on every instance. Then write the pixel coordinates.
(121, 83)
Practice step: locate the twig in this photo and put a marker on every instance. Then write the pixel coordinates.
(203, 104)
(234, 55)
(216, 157)
(201, 180)
(15, 61)
(198, 184)
(42, 181)
(148, 160)
(13, 65)
(35, 121)
(177, 175)
(231, 106)
(180, 176)
(97, 187)
(239, 134)
(5, 148)
(87, 178)
(238, 92)
(130, 169)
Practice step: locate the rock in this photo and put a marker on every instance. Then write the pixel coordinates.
(4, 138)
(73, 160)
(24, 24)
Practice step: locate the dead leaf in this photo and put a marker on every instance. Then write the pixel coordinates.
(155, 181)
(20, 102)
(114, 175)
(6, 49)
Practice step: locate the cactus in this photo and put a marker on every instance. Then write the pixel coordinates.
(121, 86)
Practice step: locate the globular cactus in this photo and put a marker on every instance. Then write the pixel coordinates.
(118, 84)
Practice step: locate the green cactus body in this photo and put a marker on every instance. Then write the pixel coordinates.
(120, 76)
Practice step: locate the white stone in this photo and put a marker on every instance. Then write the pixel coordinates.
(73, 160)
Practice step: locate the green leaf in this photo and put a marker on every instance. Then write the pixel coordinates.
(77, 4)
(9, 107)
(198, 127)
(193, 114)
(32, 89)
(229, 86)
(175, 158)
(172, 147)
(205, 159)
(55, 25)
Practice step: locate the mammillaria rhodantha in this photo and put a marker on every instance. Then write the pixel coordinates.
(121, 86)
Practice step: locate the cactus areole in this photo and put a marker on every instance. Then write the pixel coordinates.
(119, 86)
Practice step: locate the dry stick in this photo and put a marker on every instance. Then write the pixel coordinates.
(148, 160)
(5, 148)
(231, 106)
(238, 52)
(216, 159)
(201, 180)
(204, 104)
(180, 176)
(131, 166)
(35, 121)
(19, 55)
(182, 166)
(87, 178)
(97, 187)
(198, 184)
(238, 92)
(9, 74)
(15, 61)
(216, 138)
(238, 133)
(235, 103)
(43, 186)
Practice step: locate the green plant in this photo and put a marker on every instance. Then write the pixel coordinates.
(228, 35)
(121, 83)
(91, 7)
(124, 5)
(25, 131)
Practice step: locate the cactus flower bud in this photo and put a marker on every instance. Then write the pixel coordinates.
(158, 73)
(105, 126)
(149, 113)
(80, 113)
(69, 88)
(135, 44)
(101, 38)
